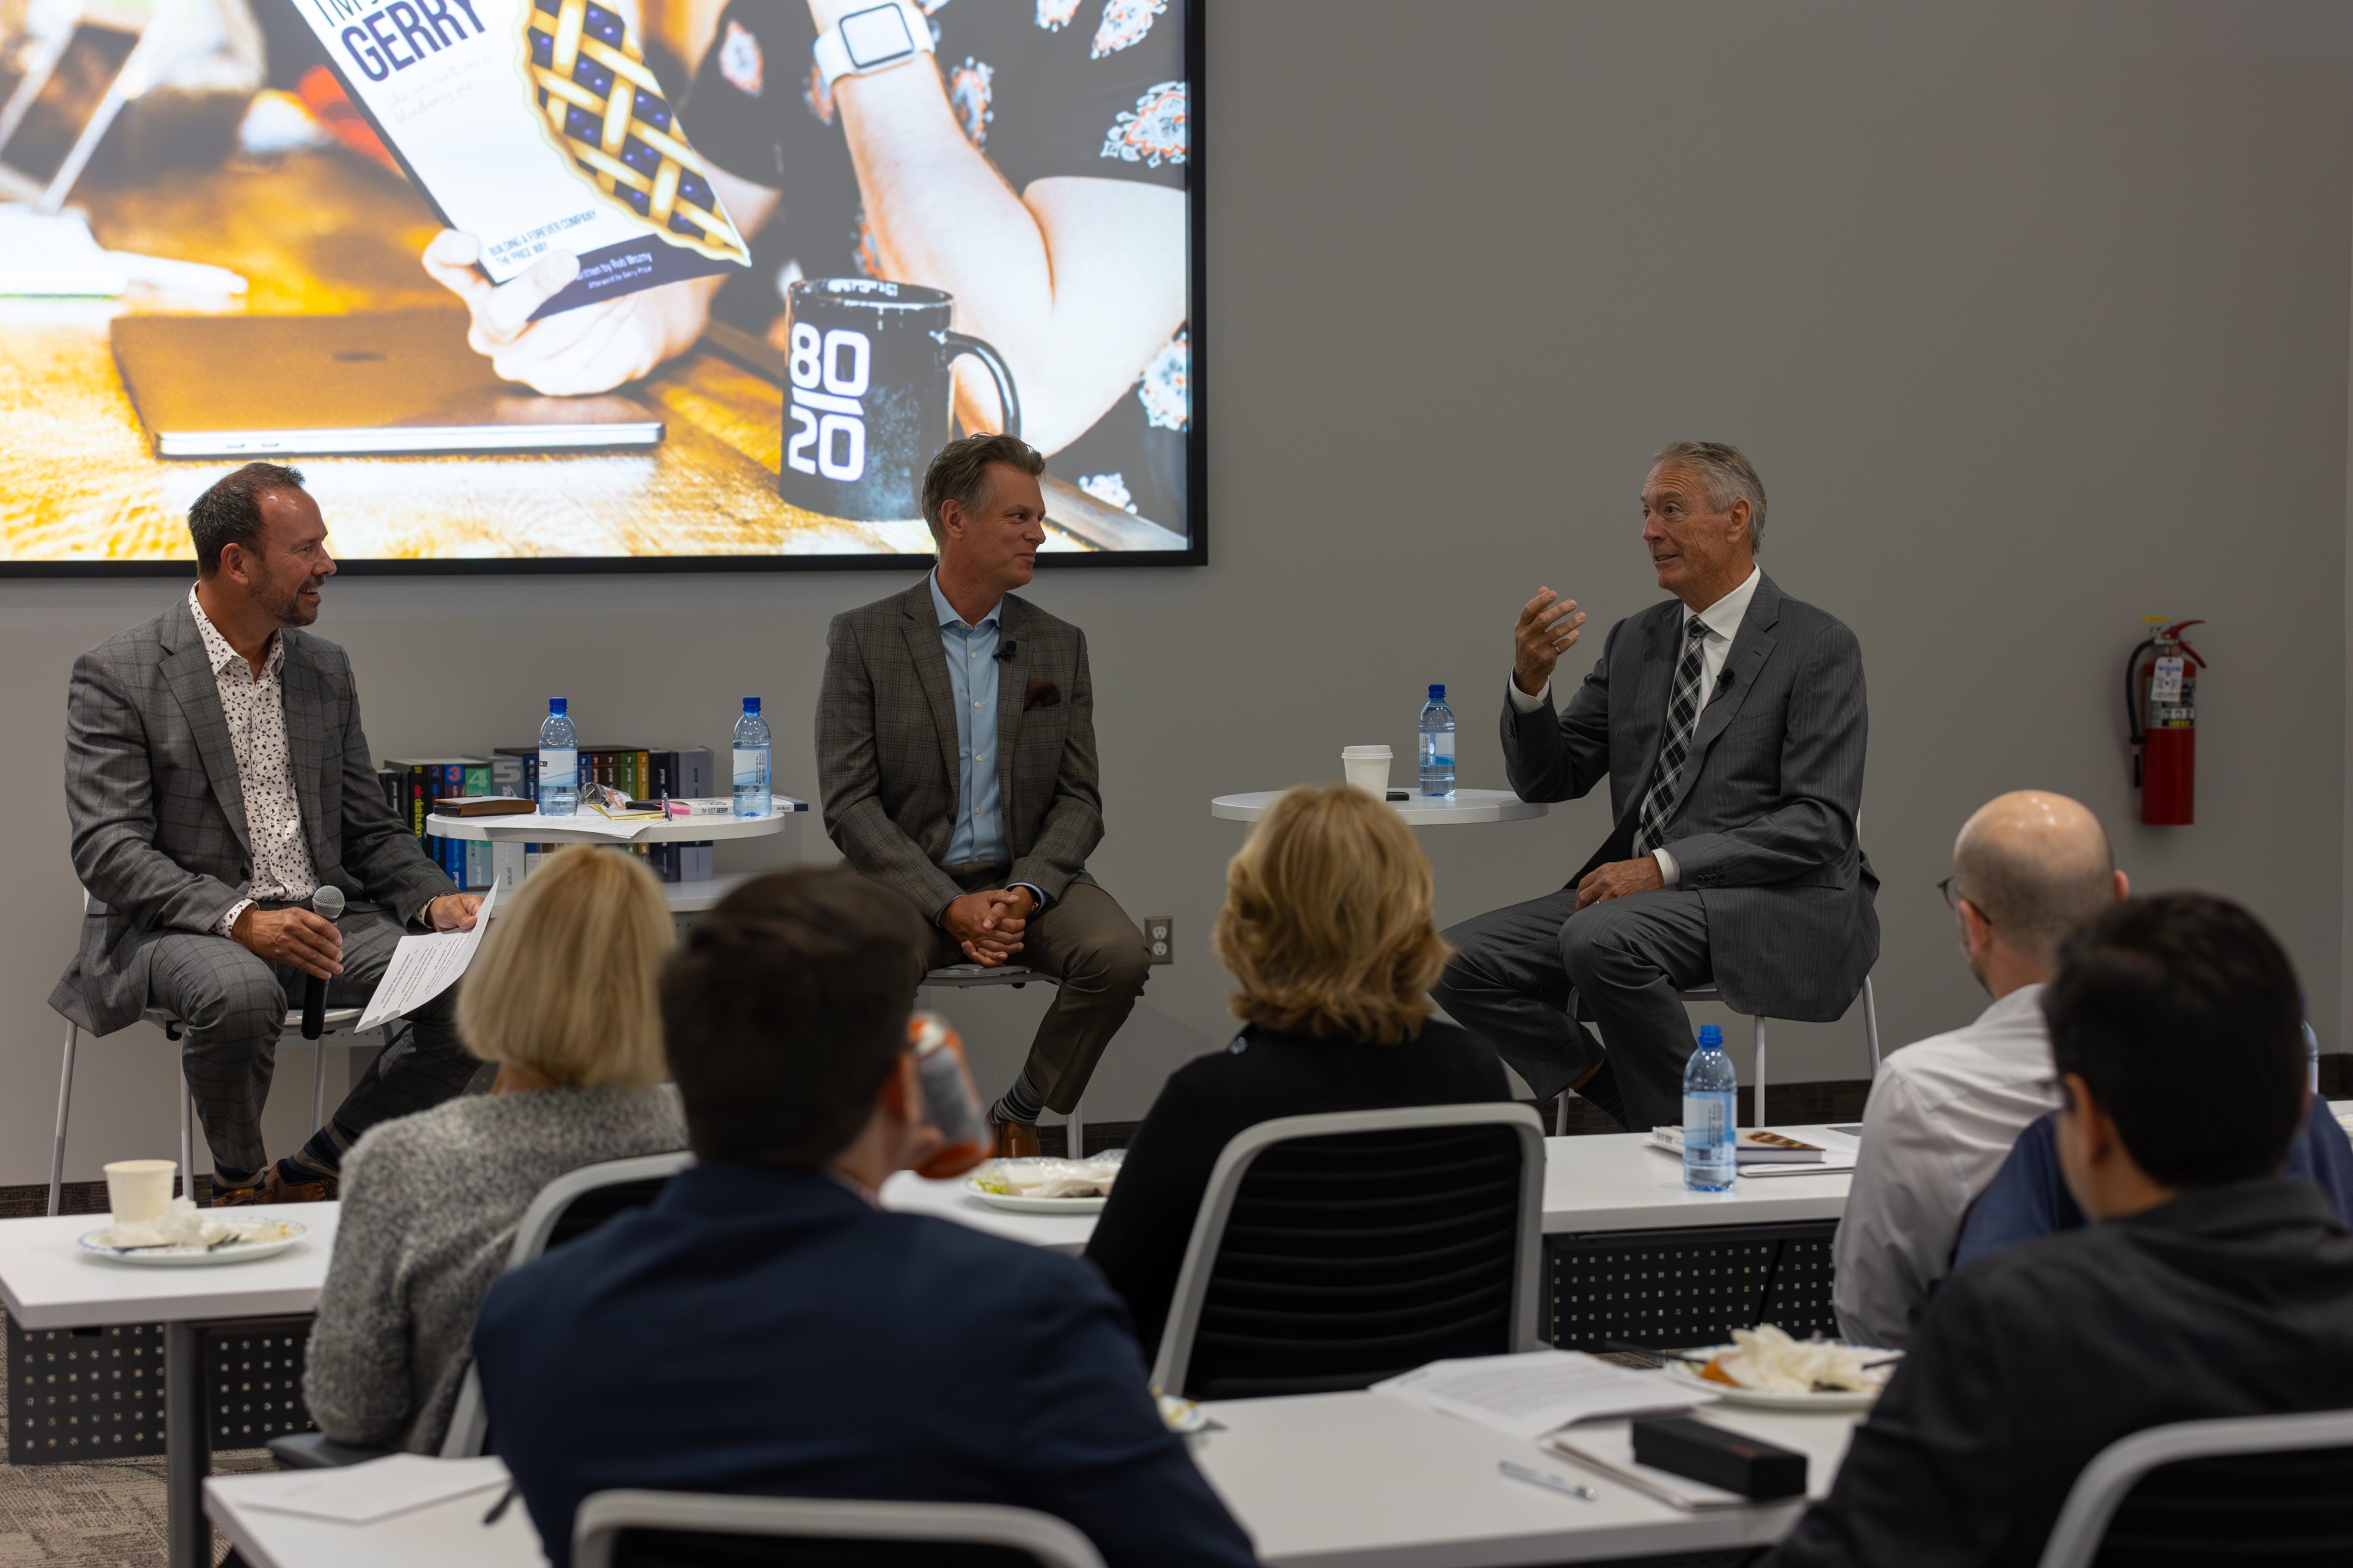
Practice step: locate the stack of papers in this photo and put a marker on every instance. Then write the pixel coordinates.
(1529, 1395)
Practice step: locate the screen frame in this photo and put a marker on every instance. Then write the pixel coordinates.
(1197, 537)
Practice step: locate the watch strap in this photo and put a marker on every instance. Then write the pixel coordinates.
(836, 60)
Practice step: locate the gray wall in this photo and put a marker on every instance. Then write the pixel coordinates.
(2033, 316)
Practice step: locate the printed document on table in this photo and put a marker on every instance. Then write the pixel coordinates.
(423, 967)
(1529, 1395)
(362, 1494)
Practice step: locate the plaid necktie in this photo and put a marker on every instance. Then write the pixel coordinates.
(1682, 718)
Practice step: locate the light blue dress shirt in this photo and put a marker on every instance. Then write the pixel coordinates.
(972, 677)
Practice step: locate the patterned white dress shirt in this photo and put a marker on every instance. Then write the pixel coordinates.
(255, 707)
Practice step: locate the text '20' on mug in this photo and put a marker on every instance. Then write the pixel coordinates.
(869, 396)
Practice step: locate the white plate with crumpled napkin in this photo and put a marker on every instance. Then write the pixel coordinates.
(1046, 1186)
(184, 1236)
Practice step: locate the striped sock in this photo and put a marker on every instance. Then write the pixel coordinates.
(321, 1159)
(1018, 1105)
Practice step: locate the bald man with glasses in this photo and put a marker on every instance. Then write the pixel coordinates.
(2029, 868)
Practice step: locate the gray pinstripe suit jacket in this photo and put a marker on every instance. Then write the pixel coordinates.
(886, 747)
(158, 813)
(1765, 831)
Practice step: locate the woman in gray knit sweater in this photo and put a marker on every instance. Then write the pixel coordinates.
(562, 998)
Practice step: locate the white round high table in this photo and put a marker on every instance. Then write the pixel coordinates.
(683, 898)
(1420, 810)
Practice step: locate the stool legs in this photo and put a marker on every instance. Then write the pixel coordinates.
(65, 1104)
(185, 1109)
(1077, 1123)
(1759, 1105)
(318, 1082)
(1870, 1026)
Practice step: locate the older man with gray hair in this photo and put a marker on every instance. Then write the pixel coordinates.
(1730, 722)
(2027, 870)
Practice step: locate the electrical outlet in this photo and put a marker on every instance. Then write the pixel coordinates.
(1159, 938)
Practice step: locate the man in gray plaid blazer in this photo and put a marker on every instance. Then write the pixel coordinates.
(956, 748)
(1730, 722)
(215, 778)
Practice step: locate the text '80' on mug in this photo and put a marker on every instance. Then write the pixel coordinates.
(869, 396)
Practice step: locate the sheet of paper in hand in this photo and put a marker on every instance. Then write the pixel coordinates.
(534, 126)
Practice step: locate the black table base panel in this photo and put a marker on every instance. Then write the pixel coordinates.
(253, 1380)
(76, 1394)
(1674, 1287)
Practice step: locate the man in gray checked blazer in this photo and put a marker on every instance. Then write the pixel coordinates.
(956, 748)
(1730, 722)
(215, 778)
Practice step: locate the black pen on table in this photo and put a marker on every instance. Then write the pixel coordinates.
(499, 1509)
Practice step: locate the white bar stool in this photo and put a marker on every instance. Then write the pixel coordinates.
(972, 976)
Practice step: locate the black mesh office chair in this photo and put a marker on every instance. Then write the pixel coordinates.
(1333, 1251)
(687, 1530)
(2269, 1490)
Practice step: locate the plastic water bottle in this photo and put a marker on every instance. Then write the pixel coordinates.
(2311, 1049)
(559, 762)
(1711, 1100)
(1437, 744)
(752, 796)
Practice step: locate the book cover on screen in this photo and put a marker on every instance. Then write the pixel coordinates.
(534, 126)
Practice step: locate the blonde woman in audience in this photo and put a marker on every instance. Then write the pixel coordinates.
(563, 997)
(1327, 926)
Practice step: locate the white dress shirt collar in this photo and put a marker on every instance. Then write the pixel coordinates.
(1723, 618)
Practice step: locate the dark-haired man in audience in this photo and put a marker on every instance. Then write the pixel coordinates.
(2208, 1285)
(765, 1329)
(2029, 868)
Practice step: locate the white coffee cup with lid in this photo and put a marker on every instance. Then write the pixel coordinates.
(1368, 768)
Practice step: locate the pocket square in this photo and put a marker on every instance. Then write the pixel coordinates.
(1040, 694)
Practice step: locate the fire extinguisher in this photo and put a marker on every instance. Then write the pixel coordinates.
(2161, 710)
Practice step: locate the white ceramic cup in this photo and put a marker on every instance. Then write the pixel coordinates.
(1368, 768)
(140, 1190)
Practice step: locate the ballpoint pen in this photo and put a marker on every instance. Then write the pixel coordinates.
(1547, 1480)
(499, 1509)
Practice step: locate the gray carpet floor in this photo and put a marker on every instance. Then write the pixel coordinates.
(106, 1513)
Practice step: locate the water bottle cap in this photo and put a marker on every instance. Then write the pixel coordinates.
(750, 705)
(1711, 1037)
(556, 705)
(1438, 693)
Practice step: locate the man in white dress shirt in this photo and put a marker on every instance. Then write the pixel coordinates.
(216, 777)
(1730, 724)
(2027, 870)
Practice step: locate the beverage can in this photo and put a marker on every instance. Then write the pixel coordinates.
(950, 1102)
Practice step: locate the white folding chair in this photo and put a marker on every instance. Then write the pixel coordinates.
(340, 1021)
(973, 976)
(606, 1520)
(2320, 1528)
(1335, 1208)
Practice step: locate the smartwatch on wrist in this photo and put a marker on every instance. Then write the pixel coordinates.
(869, 40)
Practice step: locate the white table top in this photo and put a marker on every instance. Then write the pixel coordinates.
(1592, 1184)
(530, 827)
(1422, 810)
(48, 1282)
(1361, 1481)
(909, 1193)
(1618, 1182)
(1323, 1481)
(448, 1534)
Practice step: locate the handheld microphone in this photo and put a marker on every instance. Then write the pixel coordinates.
(1007, 652)
(329, 902)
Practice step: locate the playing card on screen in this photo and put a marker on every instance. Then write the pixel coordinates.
(534, 126)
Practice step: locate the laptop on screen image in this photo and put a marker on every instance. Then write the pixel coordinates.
(405, 384)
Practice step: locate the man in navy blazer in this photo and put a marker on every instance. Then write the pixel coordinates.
(764, 1328)
(1730, 724)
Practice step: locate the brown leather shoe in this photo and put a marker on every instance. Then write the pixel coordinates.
(1017, 1141)
(274, 1188)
